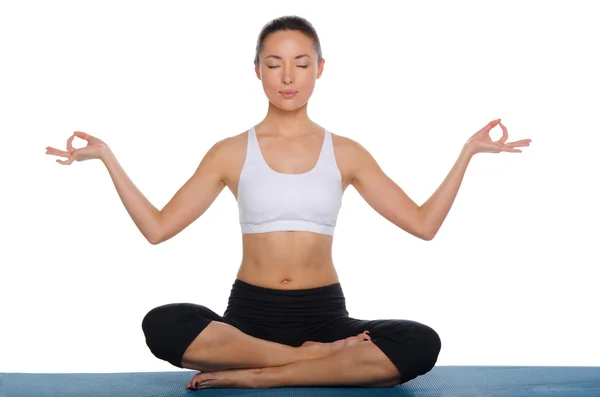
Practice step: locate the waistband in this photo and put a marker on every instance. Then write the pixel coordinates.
(328, 290)
(251, 301)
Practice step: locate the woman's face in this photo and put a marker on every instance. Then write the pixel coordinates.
(288, 62)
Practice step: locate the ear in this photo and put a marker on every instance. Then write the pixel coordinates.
(257, 70)
(320, 69)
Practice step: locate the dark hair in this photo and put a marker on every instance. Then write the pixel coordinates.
(290, 22)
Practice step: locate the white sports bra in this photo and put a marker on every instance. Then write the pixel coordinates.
(270, 201)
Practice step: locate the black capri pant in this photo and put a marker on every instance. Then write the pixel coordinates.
(291, 317)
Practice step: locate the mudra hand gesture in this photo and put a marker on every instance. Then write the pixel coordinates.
(94, 150)
(481, 142)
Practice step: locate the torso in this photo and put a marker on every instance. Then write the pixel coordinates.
(287, 260)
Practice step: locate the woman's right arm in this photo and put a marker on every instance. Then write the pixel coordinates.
(187, 205)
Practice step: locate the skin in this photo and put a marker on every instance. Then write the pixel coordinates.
(290, 143)
(267, 256)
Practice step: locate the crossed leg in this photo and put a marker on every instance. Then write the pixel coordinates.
(359, 365)
(399, 351)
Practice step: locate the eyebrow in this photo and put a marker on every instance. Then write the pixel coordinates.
(278, 57)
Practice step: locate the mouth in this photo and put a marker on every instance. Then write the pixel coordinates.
(288, 94)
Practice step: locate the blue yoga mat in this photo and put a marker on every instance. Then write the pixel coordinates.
(447, 381)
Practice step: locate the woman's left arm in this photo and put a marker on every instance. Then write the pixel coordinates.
(436, 208)
(390, 201)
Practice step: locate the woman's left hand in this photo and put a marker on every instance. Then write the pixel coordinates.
(481, 142)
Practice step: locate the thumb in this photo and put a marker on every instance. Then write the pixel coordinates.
(83, 135)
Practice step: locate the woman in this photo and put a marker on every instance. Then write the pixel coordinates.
(286, 323)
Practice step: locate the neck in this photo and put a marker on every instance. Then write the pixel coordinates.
(287, 123)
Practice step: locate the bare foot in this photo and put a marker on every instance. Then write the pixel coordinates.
(248, 378)
(321, 349)
(228, 378)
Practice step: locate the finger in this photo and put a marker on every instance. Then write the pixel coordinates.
(82, 135)
(56, 152)
(504, 134)
(485, 131)
(65, 162)
(519, 142)
(491, 125)
(70, 143)
(509, 149)
(522, 142)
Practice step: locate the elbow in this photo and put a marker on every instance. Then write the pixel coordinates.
(420, 231)
(423, 234)
(154, 240)
(156, 236)
(427, 236)
(427, 233)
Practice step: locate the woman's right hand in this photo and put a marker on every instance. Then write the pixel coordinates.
(95, 149)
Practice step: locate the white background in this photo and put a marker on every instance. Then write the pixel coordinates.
(511, 277)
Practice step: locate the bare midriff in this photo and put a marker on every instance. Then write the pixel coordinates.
(287, 260)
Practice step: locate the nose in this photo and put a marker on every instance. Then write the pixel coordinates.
(287, 74)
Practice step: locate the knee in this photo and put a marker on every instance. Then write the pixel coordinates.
(156, 326)
(429, 345)
(156, 318)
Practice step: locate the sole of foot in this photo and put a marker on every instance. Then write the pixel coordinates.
(322, 349)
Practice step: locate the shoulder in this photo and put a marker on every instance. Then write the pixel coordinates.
(346, 144)
(227, 155)
(351, 155)
(229, 146)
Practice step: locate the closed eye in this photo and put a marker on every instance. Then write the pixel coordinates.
(273, 67)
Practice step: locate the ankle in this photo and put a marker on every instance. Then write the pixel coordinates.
(305, 353)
